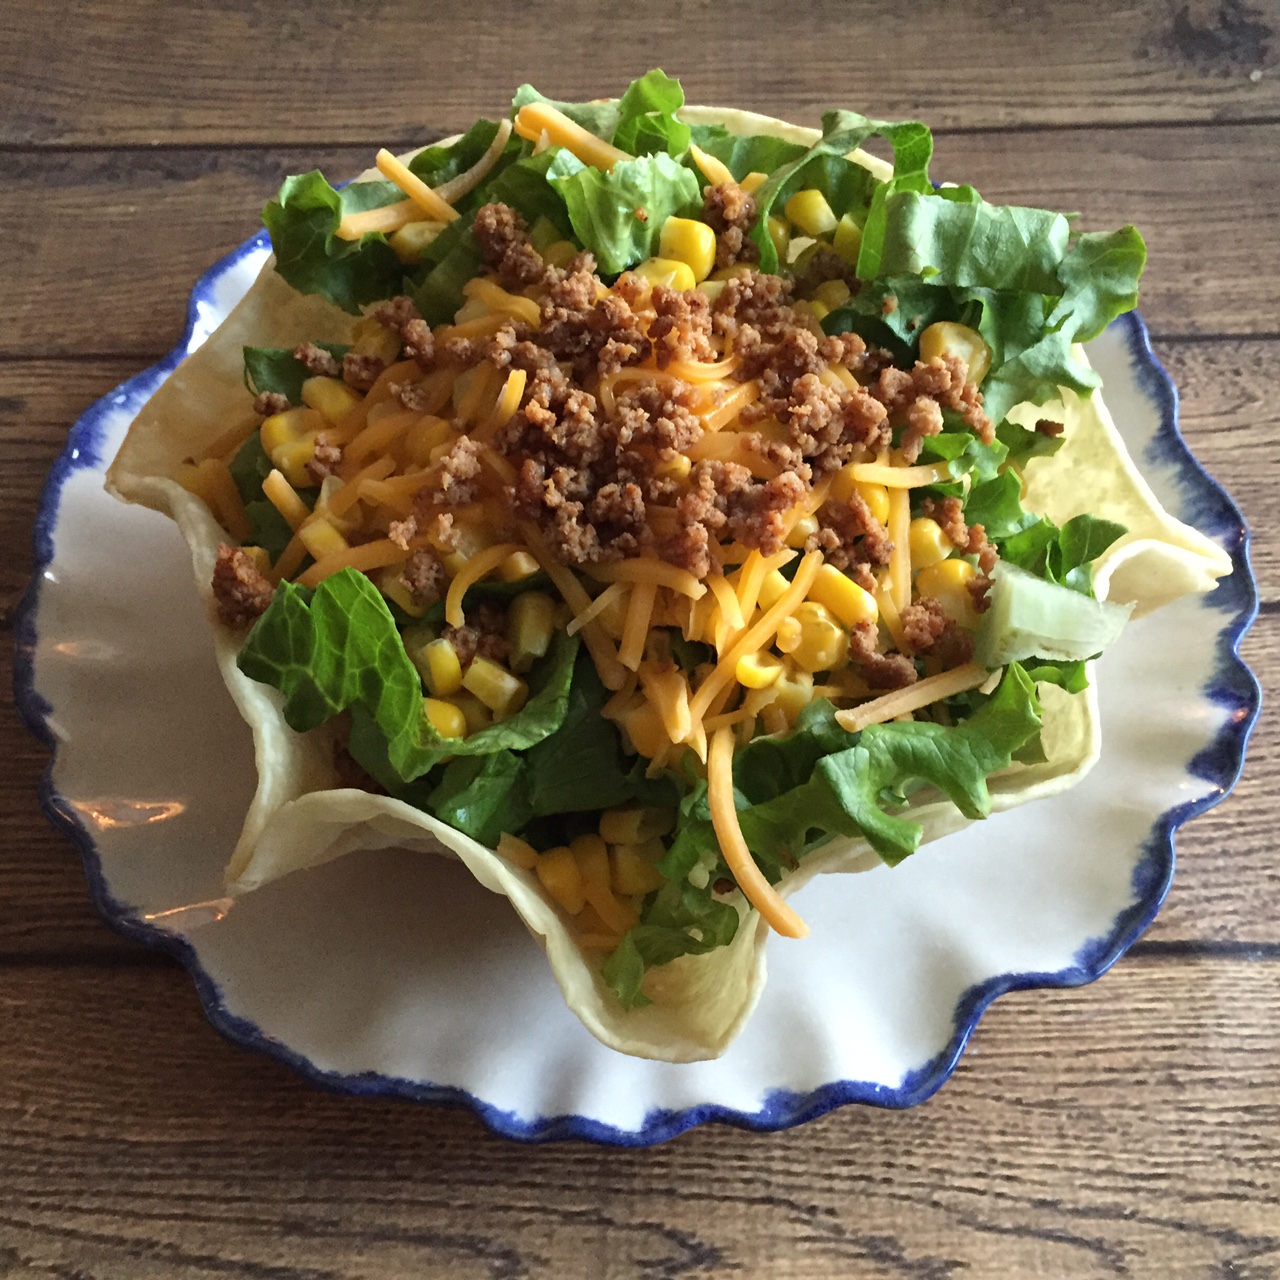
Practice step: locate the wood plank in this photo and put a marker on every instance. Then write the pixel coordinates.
(226, 73)
(1127, 1129)
(142, 225)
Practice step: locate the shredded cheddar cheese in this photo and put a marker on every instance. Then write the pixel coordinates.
(481, 563)
(427, 200)
(921, 694)
(724, 818)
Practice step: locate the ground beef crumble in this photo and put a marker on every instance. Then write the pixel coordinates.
(731, 213)
(484, 635)
(361, 371)
(316, 360)
(324, 462)
(970, 540)
(928, 629)
(240, 590)
(879, 670)
(267, 403)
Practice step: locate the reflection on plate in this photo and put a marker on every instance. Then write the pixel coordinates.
(396, 974)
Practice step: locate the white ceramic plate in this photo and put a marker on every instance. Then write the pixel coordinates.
(396, 974)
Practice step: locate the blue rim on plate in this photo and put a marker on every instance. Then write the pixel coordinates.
(1234, 688)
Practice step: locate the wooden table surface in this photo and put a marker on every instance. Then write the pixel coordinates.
(1131, 1128)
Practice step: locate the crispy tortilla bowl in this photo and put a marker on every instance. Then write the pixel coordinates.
(303, 816)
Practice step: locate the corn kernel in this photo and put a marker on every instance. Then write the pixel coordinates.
(633, 869)
(795, 692)
(476, 714)
(331, 397)
(597, 882)
(947, 583)
(847, 241)
(824, 644)
(947, 338)
(281, 428)
(369, 337)
(843, 597)
(667, 271)
(676, 467)
(292, 458)
(644, 727)
(753, 180)
(446, 719)
(392, 585)
(543, 233)
(518, 565)
(809, 210)
(832, 293)
(728, 273)
(635, 826)
(593, 860)
(780, 234)
(712, 288)
(321, 539)
(558, 871)
(560, 253)
(521, 852)
(757, 670)
(531, 624)
(773, 586)
(929, 545)
(802, 531)
(691, 242)
(443, 671)
(500, 691)
(411, 241)
(425, 435)
(261, 560)
(811, 307)
(788, 636)
(876, 496)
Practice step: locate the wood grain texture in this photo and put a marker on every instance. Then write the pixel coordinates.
(1211, 269)
(228, 72)
(1128, 1129)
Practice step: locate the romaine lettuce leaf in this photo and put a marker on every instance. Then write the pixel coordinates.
(680, 920)
(619, 215)
(755, 153)
(453, 257)
(1063, 556)
(896, 325)
(973, 244)
(646, 117)
(842, 132)
(338, 649)
(1100, 275)
(276, 369)
(302, 223)
(600, 118)
(482, 796)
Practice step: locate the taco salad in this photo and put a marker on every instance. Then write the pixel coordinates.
(654, 506)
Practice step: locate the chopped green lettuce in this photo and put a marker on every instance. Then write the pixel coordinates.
(303, 222)
(267, 527)
(337, 649)
(277, 369)
(618, 215)
(797, 791)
